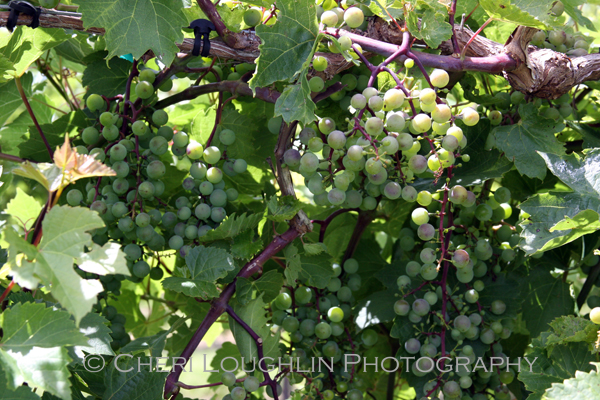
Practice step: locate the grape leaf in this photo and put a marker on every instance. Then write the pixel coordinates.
(65, 236)
(286, 46)
(313, 249)
(232, 227)
(384, 8)
(245, 246)
(283, 208)
(134, 28)
(572, 9)
(316, 271)
(24, 209)
(26, 325)
(253, 314)
(295, 103)
(532, 133)
(545, 298)
(155, 343)
(135, 379)
(534, 13)
(269, 285)
(24, 46)
(557, 218)
(206, 266)
(293, 265)
(97, 333)
(44, 368)
(433, 28)
(583, 386)
(21, 393)
(105, 260)
(108, 79)
(31, 346)
(376, 307)
(548, 369)
(10, 99)
(569, 328)
(75, 49)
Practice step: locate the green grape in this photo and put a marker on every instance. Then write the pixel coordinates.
(74, 197)
(240, 166)
(329, 18)
(238, 393)
(335, 314)
(95, 102)
(439, 78)
(283, 301)
(252, 17)
(421, 123)
(420, 216)
(144, 90)
(320, 63)
(351, 266)
(141, 269)
(354, 17)
(323, 330)
(316, 84)
(90, 135)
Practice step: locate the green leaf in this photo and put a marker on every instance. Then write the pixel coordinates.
(254, 315)
(268, 285)
(546, 298)
(97, 333)
(313, 249)
(21, 393)
(293, 265)
(573, 10)
(10, 99)
(24, 209)
(534, 13)
(133, 380)
(108, 80)
(44, 368)
(295, 103)
(286, 46)
(316, 271)
(245, 246)
(583, 386)
(155, 343)
(557, 218)
(105, 260)
(206, 266)
(232, 227)
(65, 236)
(26, 325)
(75, 49)
(384, 8)
(564, 362)
(136, 28)
(569, 328)
(532, 133)
(501, 288)
(24, 46)
(376, 308)
(283, 208)
(433, 28)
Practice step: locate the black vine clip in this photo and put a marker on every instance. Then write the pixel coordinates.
(22, 7)
(202, 28)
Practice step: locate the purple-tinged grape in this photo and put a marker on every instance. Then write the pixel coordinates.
(421, 307)
(218, 214)
(358, 101)
(395, 122)
(292, 158)
(336, 140)
(417, 164)
(392, 190)
(412, 346)
(401, 307)
(498, 307)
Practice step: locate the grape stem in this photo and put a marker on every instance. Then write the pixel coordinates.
(364, 219)
(32, 115)
(16, 159)
(325, 223)
(451, 14)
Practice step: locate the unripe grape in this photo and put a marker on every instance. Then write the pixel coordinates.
(374, 126)
(354, 17)
(144, 90)
(358, 101)
(427, 96)
(420, 216)
(469, 116)
(95, 102)
(498, 307)
(336, 139)
(595, 315)
(439, 78)
(375, 103)
(401, 307)
(426, 232)
(395, 122)
(441, 113)
(412, 346)
(326, 125)
(320, 63)
(90, 135)
(393, 99)
(421, 123)
(458, 194)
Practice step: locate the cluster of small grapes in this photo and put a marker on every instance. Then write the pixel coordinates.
(575, 45)
(381, 152)
(138, 145)
(319, 323)
(451, 321)
(347, 14)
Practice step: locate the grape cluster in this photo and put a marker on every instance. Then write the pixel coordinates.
(319, 323)
(139, 146)
(453, 321)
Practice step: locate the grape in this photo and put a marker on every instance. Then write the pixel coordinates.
(126, 224)
(412, 346)
(487, 336)
(441, 113)
(252, 17)
(417, 164)
(375, 103)
(392, 190)
(498, 307)
(469, 116)
(403, 281)
(462, 323)
(218, 214)
(144, 90)
(74, 197)
(389, 145)
(320, 63)
(413, 268)
(336, 139)
(595, 315)
(156, 169)
(283, 301)
(290, 324)
(142, 219)
(354, 17)
(336, 196)
(323, 330)
(405, 141)
(146, 189)
(395, 122)
(358, 101)
(427, 255)
(95, 102)
(212, 155)
(329, 18)
(303, 295)
(428, 272)
(373, 166)
(158, 145)
(393, 99)
(335, 314)
(483, 212)
(206, 188)
(107, 119)
(228, 379)
(374, 126)
(421, 123)
(90, 135)
(141, 269)
(351, 266)
(238, 393)
(240, 166)
(401, 307)
(460, 258)
(427, 96)
(214, 175)
(421, 307)
(439, 78)
(502, 195)
(420, 216)
(452, 389)
(218, 198)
